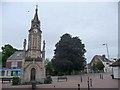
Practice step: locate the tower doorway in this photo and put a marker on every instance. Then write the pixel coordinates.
(33, 74)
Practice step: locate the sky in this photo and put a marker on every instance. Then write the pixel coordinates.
(95, 23)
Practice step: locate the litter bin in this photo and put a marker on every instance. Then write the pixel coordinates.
(33, 84)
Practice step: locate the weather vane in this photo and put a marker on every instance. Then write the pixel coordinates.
(37, 5)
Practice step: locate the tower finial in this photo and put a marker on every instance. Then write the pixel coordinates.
(24, 45)
(44, 45)
(36, 6)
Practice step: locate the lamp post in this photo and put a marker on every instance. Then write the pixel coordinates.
(107, 49)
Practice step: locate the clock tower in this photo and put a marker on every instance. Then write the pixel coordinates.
(34, 39)
(33, 67)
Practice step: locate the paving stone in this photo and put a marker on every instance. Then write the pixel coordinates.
(73, 81)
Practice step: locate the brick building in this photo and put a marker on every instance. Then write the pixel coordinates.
(15, 60)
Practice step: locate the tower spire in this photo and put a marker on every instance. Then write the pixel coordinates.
(36, 19)
(35, 23)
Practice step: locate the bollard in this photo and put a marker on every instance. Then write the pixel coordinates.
(33, 84)
(78, 86)
(91, 82)
(88, 84)
(112, 76)
(81, 78)
(100, 76)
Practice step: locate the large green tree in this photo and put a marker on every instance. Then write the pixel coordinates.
(7, 51)
(69, 54)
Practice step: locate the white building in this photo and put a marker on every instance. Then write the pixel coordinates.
(107, 67)
(116, 69)
(106, 62)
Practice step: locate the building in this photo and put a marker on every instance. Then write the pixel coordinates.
(87, 68)
(116, 69)
(104, 60)
(15, 60)
(9, 72)
(30, 60)
(33, 67)
(13, 65)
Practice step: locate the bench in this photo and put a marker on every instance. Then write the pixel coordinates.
(6, 79)
(62, 77)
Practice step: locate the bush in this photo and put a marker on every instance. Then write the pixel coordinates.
(60, 74)
(48, 80)
(54, 73)
(15, 81)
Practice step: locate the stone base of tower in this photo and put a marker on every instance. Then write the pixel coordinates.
(33, 71)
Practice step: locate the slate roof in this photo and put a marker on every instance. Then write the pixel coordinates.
(101, 58)
(117, 63)
(18, 55)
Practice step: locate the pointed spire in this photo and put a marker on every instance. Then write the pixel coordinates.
(36, 19)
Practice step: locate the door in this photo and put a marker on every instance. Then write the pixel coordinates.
(33, 74)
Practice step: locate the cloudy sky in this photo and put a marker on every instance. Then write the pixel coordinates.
(95, 23)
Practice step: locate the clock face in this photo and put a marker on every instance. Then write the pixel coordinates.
(35, 30)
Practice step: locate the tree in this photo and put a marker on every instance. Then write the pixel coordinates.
(100, 66)
(94, 67)
(49, 66)
(7, 51)
(69, 54)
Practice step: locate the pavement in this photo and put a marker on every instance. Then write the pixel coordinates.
(73, 81)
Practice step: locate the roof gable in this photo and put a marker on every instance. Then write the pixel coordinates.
(117, 63)
(97, 58)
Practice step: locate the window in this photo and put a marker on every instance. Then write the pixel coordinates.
(3, 73)
(8, 73)
(14, 64)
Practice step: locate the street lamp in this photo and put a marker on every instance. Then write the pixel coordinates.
(107, 49)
